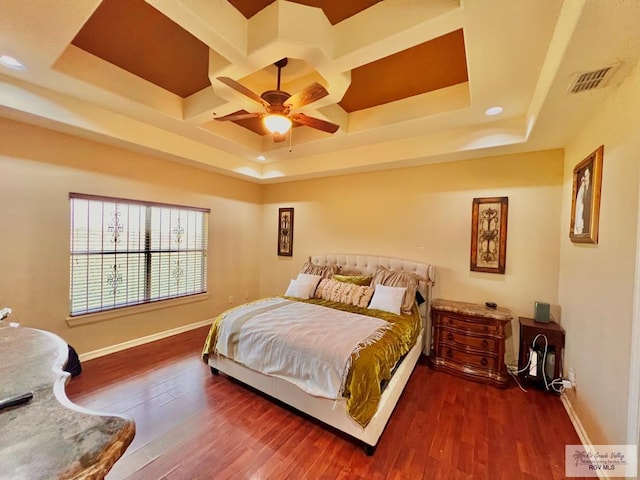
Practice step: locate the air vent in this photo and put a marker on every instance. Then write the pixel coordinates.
(590, 80)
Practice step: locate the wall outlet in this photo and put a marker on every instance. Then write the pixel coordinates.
(572, 377)
(230, 298)
(566, 384)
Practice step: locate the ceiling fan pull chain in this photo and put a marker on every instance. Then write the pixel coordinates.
(291, 140)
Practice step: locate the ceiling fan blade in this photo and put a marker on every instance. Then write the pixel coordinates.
(238, 87)
(307, 95)
(238, 116)
(313, 122)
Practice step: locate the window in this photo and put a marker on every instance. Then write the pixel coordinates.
(127, 252)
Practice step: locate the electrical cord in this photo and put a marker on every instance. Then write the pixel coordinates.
(556, 384)
(515, 377)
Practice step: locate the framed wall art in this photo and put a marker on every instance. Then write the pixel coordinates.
(585, 200)
(489, 234)
(285, 232)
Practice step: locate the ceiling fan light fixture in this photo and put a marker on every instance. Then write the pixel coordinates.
(277, 123)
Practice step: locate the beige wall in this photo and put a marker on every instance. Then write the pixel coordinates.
(421, 213)
(424, 214)
(39, 168)
(597, 281)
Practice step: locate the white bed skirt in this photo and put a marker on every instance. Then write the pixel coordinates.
(330, 412)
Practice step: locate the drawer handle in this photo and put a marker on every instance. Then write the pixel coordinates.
(484, 362)
(485, 328)
(451, 322)
(449, 353)
(484, 343)
(450, 336)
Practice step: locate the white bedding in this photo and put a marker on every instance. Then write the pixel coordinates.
(307, 345)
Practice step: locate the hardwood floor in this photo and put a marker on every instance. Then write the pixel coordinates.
(193, 425)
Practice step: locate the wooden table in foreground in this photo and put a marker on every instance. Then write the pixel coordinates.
(50, 437)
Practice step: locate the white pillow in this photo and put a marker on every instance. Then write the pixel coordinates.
(315, 279)
(388, 299)
(301, 288)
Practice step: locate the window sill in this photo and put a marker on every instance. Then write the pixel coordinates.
(134, 310)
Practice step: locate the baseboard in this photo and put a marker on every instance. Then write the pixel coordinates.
(577, 424)
(101, 352)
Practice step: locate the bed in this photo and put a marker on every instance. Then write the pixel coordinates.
(365, 309)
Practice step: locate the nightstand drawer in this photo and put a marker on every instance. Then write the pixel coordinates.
(479, 343)
(469, 325)
(466, 358)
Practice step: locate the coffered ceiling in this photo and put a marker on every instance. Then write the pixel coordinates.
(408, 81)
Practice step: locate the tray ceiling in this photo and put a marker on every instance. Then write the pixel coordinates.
(408, 81)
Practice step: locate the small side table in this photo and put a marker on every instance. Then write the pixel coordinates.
(538, 336)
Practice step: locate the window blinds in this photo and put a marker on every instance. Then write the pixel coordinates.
(126, 252)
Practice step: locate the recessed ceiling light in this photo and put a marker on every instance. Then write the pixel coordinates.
(493, 111)
(11, 62)
(261, 158)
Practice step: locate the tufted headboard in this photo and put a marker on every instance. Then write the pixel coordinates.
(367, 264)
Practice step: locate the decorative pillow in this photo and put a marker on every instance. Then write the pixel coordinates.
(335, 291)
(321, 288)
(300, 288)
(388, 299)
(389, 278)
(330, 289)
(364, 280)
(325, 272)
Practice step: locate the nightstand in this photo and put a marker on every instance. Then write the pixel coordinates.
(469, 341)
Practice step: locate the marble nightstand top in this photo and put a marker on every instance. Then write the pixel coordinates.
(472, 309)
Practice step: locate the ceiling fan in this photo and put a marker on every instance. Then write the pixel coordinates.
(278, 106)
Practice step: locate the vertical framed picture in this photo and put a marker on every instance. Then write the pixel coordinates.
(285, 232)
(489, 234)
(585, 201)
